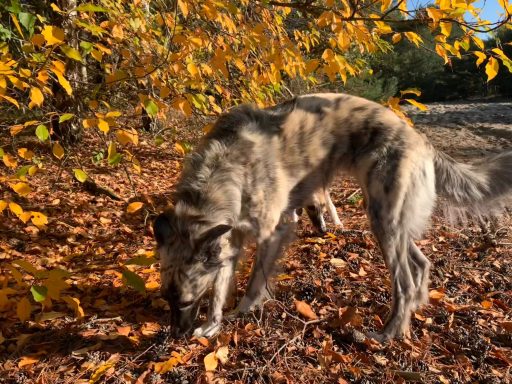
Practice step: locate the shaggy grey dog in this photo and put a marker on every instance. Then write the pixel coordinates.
(255, 167)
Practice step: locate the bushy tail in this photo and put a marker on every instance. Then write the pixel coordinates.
(478, 189)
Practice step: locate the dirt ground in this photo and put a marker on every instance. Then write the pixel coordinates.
(329, 291)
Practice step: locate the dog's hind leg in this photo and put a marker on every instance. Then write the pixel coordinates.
(420, 267)
(332, 209)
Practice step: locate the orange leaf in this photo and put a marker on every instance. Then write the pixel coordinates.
(9, 161)
(25, 153)
(305, 310)
(27, 360)
(58, 151)
(36, 97)
(134, 207)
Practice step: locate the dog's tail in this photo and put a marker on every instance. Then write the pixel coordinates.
(479, 189)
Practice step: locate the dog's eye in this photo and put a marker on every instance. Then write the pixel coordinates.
(186, 304)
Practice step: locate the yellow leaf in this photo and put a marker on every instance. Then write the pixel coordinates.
(112, 150)
(43, 76)
(481, 57)
(446, 28)
(10, 100)
(413, 91)
(222, 354)
(56, 8)
(413, 37)
(74, 304)
(479, 43)
(385, 5)
(53, 35)
(103, 368)
(71, 52)
(183, 7)
(180, 149)
(38, 219)
(134, 207)
(15, 208)
(182, 105)
(103, 126)
(211, 362)
(166, 366)
(125, 136)
(17, 24)
(25, 216)
(25, 153)
(305, 310)
(417, 104)
(396, 38)
(3, 205)
(36, 97)
(435, 14)
(193, 70)
(21, 189)
(23, 309)
(117, 32)
(64, 83)
(491, 68)
(9, 161)
(58, 151)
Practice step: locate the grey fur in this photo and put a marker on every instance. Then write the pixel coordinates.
(257, 166)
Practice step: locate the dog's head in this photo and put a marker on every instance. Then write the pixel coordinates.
(190, 250)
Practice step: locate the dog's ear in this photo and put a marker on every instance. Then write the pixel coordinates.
(211, 235)
(162, 228)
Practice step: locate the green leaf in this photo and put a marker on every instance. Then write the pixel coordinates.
(94, 29)
(2, 152)
(159, 140)
(27, 20)
(115, 159)
(151, 108)
(23, 170)
(142, 261)
(86, 46)
(71, 52)
(89, 7)
(133, 280)
(80, 175)
(42, 132)
(39, 292)
(65, 117)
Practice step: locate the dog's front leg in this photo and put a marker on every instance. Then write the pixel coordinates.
(268, 252)
(220, 293)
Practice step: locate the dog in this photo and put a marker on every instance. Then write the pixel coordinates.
(255, 167)
(319, 203)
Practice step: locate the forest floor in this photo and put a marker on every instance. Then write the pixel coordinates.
(329, 291)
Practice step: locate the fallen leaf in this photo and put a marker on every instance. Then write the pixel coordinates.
(305, 310)
(211, 362)
(222, 354)
(134, 207)
(124, 331)
(27, 360)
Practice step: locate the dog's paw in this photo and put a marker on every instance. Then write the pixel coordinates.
(381, 337)
(207, 330)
